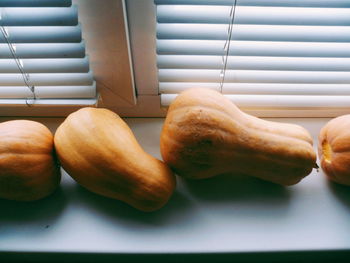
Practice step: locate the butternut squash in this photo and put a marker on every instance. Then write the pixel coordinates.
(28, 167)
(334, 149)
(205, 134)
(98, 149)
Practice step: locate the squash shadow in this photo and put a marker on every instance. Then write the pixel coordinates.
(341, 192)
(47, 209)
(240, 189)
(119, 211)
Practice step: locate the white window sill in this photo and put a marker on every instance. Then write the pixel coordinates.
(222, 214)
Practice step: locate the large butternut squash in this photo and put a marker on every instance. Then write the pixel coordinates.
(28, 167)
(98, 149)
(205, 134)
(334, 149)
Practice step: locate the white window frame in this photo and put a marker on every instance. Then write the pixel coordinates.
(142, 32)
(137, 95)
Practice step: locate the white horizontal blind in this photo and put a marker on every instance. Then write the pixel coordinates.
(283, 53)
(46, 37)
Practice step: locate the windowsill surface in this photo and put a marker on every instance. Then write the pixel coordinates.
(223, 214)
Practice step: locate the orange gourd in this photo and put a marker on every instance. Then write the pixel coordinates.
(28, 167)
(205, 134)
(98, 149)
(334, 149)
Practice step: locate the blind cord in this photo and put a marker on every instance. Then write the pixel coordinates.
(227, 45)
(19, 63)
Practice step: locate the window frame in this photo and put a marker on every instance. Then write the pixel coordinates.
(139, 19)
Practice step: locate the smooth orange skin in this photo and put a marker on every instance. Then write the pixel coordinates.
(336, 134)
(205, 135)
(28, 166)
(98, 149)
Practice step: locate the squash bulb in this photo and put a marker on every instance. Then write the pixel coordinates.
(28, 167)
(334, 149)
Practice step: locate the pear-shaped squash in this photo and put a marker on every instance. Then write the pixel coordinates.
(334, 149)
(205, 134)
(98, 149)
(28, 167)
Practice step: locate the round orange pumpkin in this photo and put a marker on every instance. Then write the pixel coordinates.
(28, 167)
(334, 149)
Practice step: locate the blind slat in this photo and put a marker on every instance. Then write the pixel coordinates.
(64, 65)
(177, 87)
(295, 3)
(47, 50)
(253, 63)
(252, 48)
(253, 15)
(278, 101)
(287, 89)
(49, 79)
(260, 88)
(45, 34)
(254, 76)
(47, 92)
(48, 102)
(35, 3)
(39, 16)
(255, 32)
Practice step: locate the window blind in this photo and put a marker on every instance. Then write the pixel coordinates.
(283, 53)
(46, 38)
